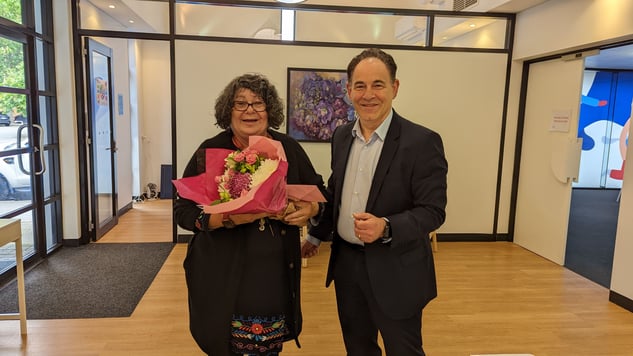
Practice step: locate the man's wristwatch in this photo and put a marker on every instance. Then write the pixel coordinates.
(227, 222)
(386, 233)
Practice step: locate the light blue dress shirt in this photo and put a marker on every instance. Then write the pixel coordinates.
(359, 173)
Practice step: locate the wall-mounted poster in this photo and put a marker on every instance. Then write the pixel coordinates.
(317, 103)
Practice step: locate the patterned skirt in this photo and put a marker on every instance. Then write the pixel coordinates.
(259, 324)
(258, 335)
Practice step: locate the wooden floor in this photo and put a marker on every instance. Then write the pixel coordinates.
(493, 298)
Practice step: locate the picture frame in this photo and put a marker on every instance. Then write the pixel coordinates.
(317, 103)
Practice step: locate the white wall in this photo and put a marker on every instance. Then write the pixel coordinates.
(64, 74)
(135, 137)
(580, 24)
(154, 111)
(558, 26)
(623, 257)
(459, 95)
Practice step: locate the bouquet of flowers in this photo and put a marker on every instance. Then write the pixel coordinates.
(252, 180)
(243, 171)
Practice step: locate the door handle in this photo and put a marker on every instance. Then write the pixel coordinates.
(40, 150)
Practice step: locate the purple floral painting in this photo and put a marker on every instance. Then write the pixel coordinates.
(317, 103)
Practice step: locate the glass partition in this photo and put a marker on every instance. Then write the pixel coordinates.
(470, 32)
(353, 27)
(319, 24)
(128, 16)
(228, 21)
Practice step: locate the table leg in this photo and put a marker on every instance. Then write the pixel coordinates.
(19, 263)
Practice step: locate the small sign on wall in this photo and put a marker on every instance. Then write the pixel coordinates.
(120, 102)
(560, 120)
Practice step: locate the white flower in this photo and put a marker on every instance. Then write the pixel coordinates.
(264, 171)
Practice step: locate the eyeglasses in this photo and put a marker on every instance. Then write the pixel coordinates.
(243, 106)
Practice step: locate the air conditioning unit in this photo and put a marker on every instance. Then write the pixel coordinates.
(459, 5)
(410, 29)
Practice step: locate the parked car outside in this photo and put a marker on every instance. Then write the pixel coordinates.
(14, 183)
(5, 120)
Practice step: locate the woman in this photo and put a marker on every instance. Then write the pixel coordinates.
(243, 281)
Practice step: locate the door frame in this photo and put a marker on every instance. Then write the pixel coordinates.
(96, 228)
(541, 226)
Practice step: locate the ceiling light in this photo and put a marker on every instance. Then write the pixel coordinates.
(290, 1)
(287, 25)
(111, 6)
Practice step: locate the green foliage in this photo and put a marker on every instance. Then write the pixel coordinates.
(11, 9)
(12, 61)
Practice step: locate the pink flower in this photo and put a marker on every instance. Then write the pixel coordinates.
(237, 179)
(239, 157)
(251, 157)
(239, 185)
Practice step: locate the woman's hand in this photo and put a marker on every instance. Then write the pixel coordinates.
(298, 212)
(239, 219)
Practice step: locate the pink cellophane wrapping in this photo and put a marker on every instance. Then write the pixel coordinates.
(267, 197)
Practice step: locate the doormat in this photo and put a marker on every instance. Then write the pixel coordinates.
(96, 280)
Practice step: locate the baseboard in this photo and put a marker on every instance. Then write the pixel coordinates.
(448, 237)
(619, 299)
(71, 242)
(125, 209)
(440, 237)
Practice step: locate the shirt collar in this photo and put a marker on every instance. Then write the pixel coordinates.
(381, 131)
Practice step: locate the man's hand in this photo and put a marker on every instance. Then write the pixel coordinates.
(368, 227)
(309, 250)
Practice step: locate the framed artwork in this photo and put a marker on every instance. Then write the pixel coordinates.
(317, 103)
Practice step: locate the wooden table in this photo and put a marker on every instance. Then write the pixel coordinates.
(11, 231)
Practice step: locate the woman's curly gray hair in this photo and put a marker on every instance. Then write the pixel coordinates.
(259, 85)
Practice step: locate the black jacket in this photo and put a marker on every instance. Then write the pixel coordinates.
(214, 258)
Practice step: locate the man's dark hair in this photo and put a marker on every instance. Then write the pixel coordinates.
(386, 58)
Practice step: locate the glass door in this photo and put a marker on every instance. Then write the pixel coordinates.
(101, 143)
(16, 184)
(30, 188)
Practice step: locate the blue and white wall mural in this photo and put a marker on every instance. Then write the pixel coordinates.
(604, 120)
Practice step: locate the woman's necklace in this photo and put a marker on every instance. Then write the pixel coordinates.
(241, 144)
(238, 143)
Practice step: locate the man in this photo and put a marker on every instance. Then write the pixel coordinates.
(388, 191)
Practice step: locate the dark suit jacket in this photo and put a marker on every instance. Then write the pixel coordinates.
(408, 188)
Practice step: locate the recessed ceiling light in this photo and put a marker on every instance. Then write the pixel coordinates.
(291, 1)
(111, 6)
(131, 21)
